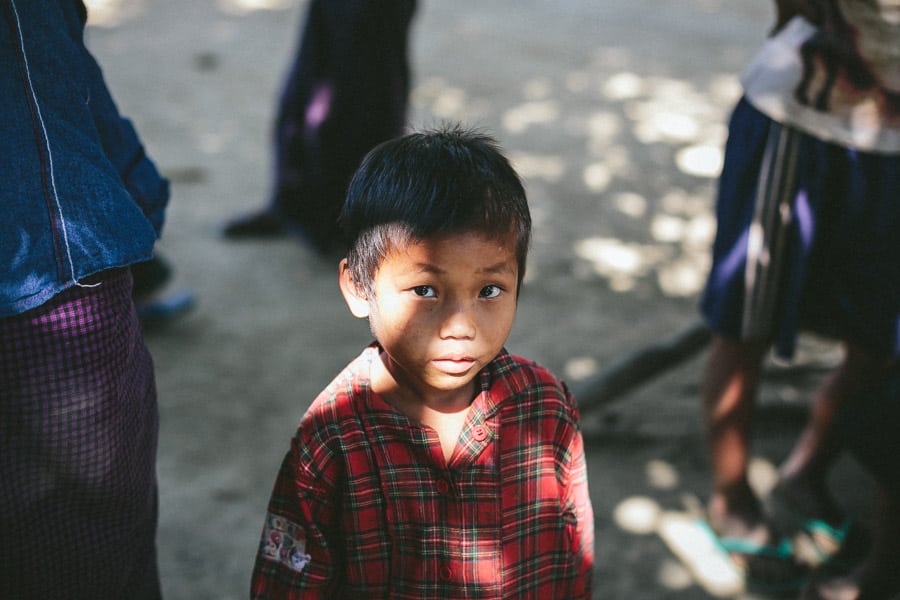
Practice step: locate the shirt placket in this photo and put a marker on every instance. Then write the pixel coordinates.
(470, 493)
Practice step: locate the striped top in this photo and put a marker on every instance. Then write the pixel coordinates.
(365, 506)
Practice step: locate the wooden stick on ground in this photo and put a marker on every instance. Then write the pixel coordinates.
(639, 367)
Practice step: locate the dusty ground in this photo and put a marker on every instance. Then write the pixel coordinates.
(615, 114)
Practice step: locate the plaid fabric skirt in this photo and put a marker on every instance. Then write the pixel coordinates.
(807, 238)
(78, 435)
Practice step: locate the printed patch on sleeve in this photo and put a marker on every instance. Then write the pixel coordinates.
(284, 542)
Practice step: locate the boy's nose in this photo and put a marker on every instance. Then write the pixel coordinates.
(459, 323)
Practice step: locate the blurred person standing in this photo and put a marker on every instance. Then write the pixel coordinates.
(346, 92)
(78, 413)
(808, 221)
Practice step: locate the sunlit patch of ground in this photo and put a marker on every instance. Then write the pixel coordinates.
(110, 13)
(684, 119)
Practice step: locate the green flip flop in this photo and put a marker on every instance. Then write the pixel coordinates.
(823, 547)
(766, 568)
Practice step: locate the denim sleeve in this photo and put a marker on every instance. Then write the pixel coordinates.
(78, 195)
(124, 150)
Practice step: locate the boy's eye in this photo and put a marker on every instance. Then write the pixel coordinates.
(490, 291)
(423, 291)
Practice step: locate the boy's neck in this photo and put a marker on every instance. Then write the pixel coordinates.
(415, 403)
(446, 414)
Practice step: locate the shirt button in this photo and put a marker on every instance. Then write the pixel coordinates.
(443, 486)
(480, 433)
(446, 573)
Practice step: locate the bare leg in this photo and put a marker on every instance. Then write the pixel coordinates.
(729, 393)
(804, 473)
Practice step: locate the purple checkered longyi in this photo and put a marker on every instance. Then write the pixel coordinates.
(78, 436)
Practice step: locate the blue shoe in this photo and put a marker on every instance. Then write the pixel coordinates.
(160, 311)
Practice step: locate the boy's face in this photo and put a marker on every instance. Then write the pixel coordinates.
(442, 309)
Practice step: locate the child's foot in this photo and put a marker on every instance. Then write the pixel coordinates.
(766, 562)
(823, 537)
(738, 515)
(741, 530)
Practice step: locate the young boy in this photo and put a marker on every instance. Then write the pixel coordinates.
(436, 465)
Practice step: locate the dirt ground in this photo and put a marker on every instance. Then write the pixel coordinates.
(614, 112)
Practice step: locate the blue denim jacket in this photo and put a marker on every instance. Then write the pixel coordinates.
(78, 194)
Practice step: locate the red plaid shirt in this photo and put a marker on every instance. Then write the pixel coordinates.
(365, 506)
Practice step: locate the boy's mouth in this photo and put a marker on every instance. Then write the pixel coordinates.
(454, 365)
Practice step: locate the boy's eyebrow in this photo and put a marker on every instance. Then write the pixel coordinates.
(500, 267)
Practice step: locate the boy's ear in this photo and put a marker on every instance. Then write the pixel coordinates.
(355, 298)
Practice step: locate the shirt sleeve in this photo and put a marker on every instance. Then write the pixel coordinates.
(123, 148)
(577, 505)
(298, 554)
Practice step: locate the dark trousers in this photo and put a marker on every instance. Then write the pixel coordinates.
(346, 92)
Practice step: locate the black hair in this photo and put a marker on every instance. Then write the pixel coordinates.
(430, 183)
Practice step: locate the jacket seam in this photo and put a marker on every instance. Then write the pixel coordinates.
(45, 153)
